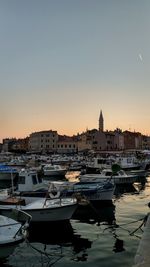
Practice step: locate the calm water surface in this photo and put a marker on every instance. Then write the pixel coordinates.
(96, 236)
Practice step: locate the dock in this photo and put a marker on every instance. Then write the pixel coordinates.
(142, 257)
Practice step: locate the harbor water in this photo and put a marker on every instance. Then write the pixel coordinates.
(99, 236)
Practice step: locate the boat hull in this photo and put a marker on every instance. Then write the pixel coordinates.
(11, 233)
(43, 212)
(130, 179)
(91, 191)
(105, 195)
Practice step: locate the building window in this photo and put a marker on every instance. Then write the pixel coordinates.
(94, 142)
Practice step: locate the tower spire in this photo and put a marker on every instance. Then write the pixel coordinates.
(101, 122)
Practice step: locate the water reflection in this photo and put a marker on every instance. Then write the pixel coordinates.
(102, 215)
(61, 234)
(49, 243)
(118, 246)
(57, 234)
(95, 213)
(129, 188)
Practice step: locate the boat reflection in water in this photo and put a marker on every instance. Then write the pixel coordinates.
(95, 213)
(52, 242)
(103, 217)
(58, 236)
(54, 234)
(49, 243)
(61, 238)
(134, 188)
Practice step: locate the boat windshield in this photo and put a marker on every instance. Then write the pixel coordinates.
(39, 179)
(108, 173)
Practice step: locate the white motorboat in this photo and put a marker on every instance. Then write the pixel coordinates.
(97, 164)
(119, 177)
(12, 232)
(140, 173)
(35, 197)
(128, 163)
(91, 191)
(53, 170)
(41, 209)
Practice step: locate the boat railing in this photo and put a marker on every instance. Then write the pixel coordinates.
(20, 215)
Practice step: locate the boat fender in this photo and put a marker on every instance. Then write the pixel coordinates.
(54, 192)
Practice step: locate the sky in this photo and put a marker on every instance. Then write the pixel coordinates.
(62, 61)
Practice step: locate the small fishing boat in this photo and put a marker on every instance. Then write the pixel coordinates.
(41, 209)
(119, 177)
(37, 199)
(12, 233)
(54, 170)
(93, 192)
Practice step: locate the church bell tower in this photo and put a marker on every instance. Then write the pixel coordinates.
(101, 122)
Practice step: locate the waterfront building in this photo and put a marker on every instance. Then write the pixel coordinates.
(8, 144)
(145, 142)
(132, 140)
(110, 140)
(138, 140)
(84, 142)
(43, 141)
(99, 141)
(118, 139)
(50, 141)
(20, 145)
(67, 144)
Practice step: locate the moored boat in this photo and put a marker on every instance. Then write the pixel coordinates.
(93, 192)
(41, 209)
(53, 170)
(119, 177)
(12, 233)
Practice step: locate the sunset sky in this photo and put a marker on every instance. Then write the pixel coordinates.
(62, 61)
